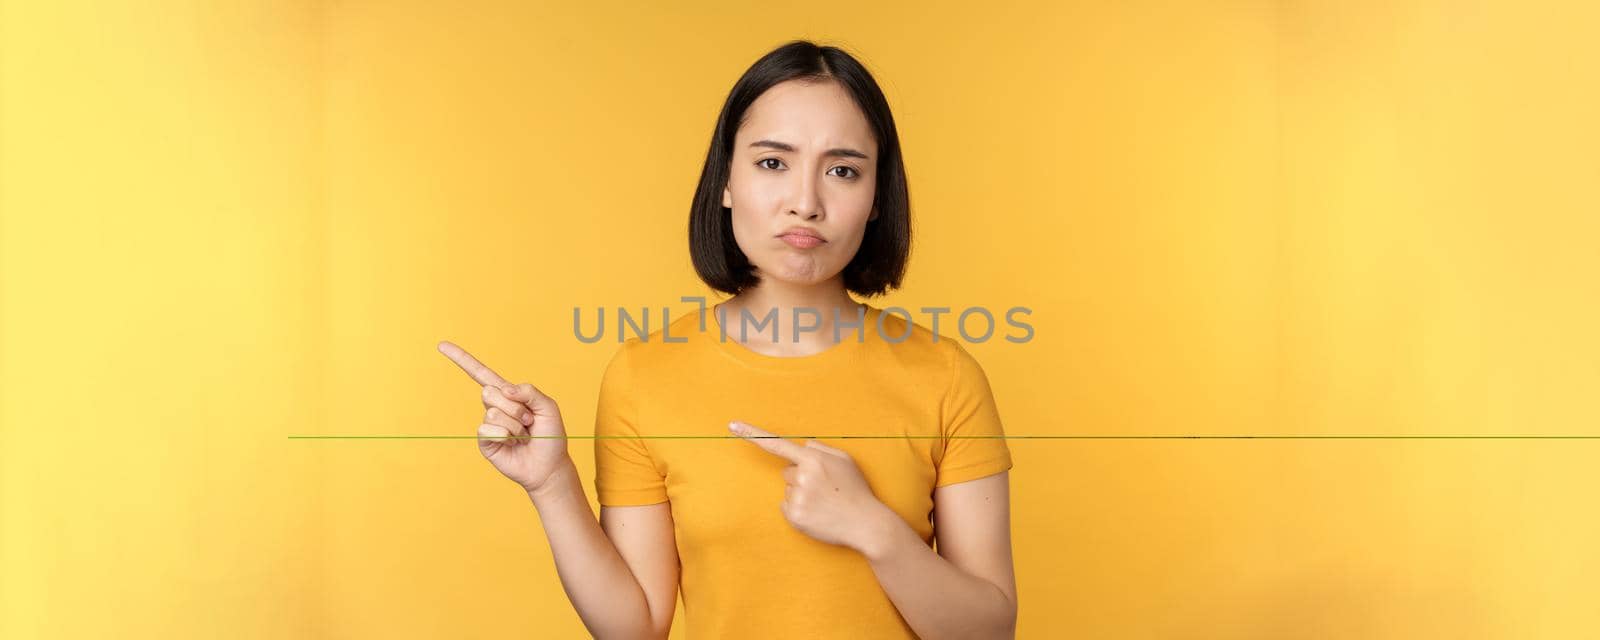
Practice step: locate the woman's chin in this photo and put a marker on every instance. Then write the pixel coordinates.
(798, 271)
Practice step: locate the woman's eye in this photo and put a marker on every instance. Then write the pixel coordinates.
(775, 164)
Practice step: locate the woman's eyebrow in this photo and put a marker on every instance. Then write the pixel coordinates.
(782, 146)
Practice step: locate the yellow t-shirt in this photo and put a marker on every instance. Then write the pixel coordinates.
(746, 572)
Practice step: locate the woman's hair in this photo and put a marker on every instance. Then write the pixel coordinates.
(880, 262)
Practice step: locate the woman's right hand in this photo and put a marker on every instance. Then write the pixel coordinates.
(512, 412)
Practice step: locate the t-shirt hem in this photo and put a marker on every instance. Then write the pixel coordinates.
(631, 498)
(972, 471)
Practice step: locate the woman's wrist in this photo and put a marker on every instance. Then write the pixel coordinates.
(881, 533)
(558, 482)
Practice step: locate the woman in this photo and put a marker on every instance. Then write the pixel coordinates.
(802, 202)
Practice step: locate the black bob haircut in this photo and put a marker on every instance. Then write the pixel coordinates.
(880, 262)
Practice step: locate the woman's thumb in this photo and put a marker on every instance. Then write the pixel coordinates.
(529, 395)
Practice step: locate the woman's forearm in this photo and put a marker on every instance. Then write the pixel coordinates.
(599, 583)
(937, 598)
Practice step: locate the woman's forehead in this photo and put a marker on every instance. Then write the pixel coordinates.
(807, 115)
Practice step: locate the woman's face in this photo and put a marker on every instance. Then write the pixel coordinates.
(804, 160)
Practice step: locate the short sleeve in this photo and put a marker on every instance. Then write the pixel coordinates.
(625, 474)
(974, 442)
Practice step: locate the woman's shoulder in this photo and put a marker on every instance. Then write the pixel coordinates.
(935, 359)
(905, 337)
(644, 345)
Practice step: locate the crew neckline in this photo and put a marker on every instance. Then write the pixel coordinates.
(849, 343)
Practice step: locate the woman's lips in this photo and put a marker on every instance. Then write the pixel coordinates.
(801, 241)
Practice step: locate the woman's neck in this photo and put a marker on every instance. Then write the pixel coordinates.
(776, 302)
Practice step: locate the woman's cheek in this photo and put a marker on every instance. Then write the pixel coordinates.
(746, 233)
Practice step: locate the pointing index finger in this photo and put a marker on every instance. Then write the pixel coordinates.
(772, 443)
(469, 364)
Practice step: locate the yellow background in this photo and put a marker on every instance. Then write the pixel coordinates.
(226, 223)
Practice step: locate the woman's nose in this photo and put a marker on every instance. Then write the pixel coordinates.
(807, 203)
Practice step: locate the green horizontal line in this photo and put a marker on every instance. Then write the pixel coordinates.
(986, 437)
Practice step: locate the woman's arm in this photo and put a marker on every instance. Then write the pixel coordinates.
(621, 573)
(966, 590)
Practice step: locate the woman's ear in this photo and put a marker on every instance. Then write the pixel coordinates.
(874, 215)
(727, 197)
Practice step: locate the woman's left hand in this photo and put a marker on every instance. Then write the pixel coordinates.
(827, 497)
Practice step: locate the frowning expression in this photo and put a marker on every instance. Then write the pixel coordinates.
(802, 182)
